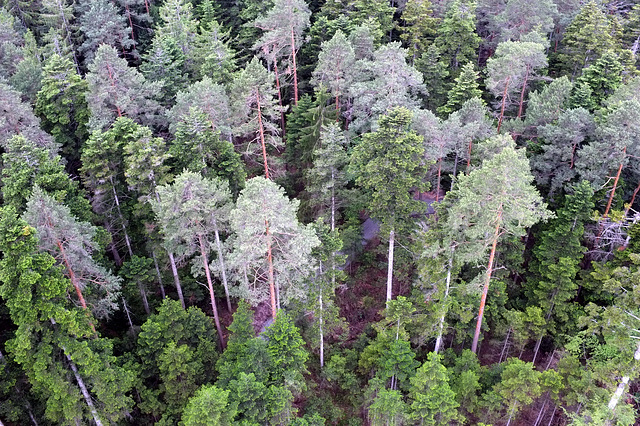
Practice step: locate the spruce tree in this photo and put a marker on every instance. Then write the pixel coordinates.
(419, 27)
(434, 74)
(465, 87)
(209, 405)
(457, 39)
(390, 165)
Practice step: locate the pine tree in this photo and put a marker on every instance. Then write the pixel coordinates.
(116, 90)
(102, 24)
(189, 211)
(18, 118)
(271, 248)
(390, 166)
(334, 68)
(11, 46)
(466, 87)
(498, 199)
(254, 110)
(521, 17)
(283, 26)
(71, 243)
(510, 70)
(382, 84)
(209, 98)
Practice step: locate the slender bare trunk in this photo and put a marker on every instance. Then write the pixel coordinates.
(272, 287)
(444, 301)
(282, 128)
(485, 290)
(223, 271)
(113, 84)
(214, 306)
(623, 383)
(552, 416)
(155, 262)
(390, 265)
(174, 268)
(83, 389)
(122, 222)
(504, 347)
(469, 155)
(146, 5)
(133, 36)
(295, 70)
(75, 283)
(504, 102)
(633, 199)
(126, 311)
(438, 183)
(321, 331)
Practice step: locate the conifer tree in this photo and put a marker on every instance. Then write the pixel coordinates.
(557, 258)
(286, 350)
(589, 35)
(272, 250)
(433, 401)
(334, 68)
(213, 55)
(62, 106)
(209, 405)
(71, 243)
(102, 24)
(283, 26)
(434, 74)
(199, 149)
(254, 110)
(602, 79)
(390, 165)
(70, 369)
(382, 84)
(116, 90)
(457, 39)
(189, 211)
(18, 118)
(419, 27)
(466, 87)
(521, 17)
(207, 97)
(498, 199)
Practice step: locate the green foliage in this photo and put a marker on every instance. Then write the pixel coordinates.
(419, 27)
(388, 408)
(466, 87)
(434, 402)
(389, 164)
(286, 350)
(457, 38)
(62, 106)
(101, 24)
(209, 405)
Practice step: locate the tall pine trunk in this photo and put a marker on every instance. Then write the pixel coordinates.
(392, 235)
(272, 286)
(485, 290)
(295, 70)
(214, 306)
(174, 268)
(275, 70)
(444, 301)
(223, 270)
(504, 102)
(155, 263)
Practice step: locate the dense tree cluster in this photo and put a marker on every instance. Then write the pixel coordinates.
(310, 212)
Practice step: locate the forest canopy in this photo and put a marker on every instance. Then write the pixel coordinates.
(319, 212)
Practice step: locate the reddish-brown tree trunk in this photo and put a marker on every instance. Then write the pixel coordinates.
(438, 183)
(633, 199)
(504, 102)
(524, 87)
(214, 306)
(133, 37)
(113, 84)
(75, 283)
(469, 154)
(615, 184)
(485, 290)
